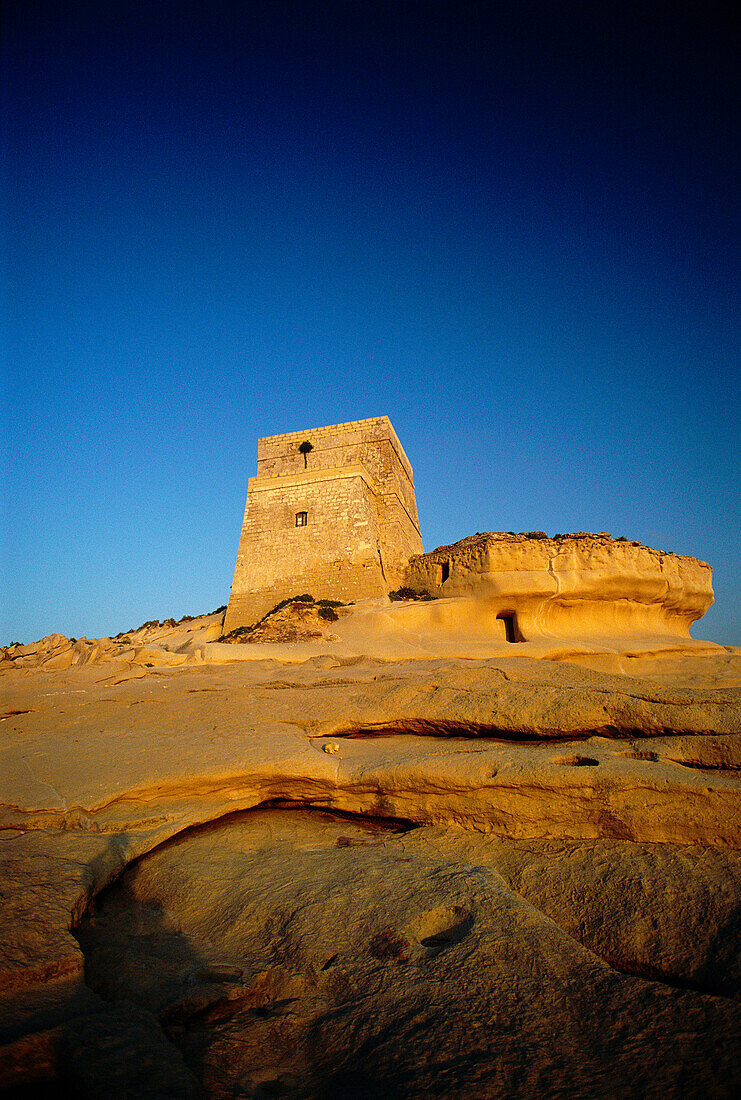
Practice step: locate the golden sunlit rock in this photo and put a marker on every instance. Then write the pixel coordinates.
(397, 855)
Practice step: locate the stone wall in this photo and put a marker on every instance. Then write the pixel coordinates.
(356, 489)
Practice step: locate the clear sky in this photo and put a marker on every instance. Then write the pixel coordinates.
(512, 228)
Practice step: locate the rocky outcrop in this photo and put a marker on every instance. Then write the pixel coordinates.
(167, 643)
(347, 876)
(305, 954)
(303, 619)
(569, 585)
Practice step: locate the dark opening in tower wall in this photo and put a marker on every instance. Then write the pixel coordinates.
(301, 519)
(305, 449)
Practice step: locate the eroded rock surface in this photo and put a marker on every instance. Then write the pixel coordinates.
(322, 956)
(508, 876)
(570, 584)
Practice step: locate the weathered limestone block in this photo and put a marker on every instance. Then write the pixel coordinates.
(573, 585)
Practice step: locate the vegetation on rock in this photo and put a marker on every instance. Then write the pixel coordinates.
(404, 593)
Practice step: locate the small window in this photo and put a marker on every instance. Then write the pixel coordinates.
(444, 572)
(301, 518)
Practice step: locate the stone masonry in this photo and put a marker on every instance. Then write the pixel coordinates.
(337, 520)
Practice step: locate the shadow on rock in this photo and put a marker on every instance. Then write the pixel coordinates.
(144, 968)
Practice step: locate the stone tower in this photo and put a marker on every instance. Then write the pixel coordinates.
(331, 512)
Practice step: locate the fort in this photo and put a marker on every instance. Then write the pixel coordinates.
(332, 513)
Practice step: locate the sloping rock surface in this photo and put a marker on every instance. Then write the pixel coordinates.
(357, 877)
(324, 956)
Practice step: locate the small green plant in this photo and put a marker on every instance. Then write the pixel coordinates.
(405, 593)
(535, 534)
(236, 633)
(402, 594)
(330, 603)
(621, 538)
(219, 609)
(328, 614)
(305, 598)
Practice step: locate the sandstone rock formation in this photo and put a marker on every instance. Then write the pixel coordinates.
(319, 955)
(511, 876)
(568, 585)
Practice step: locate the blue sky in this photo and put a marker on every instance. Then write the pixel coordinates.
(514, 232)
